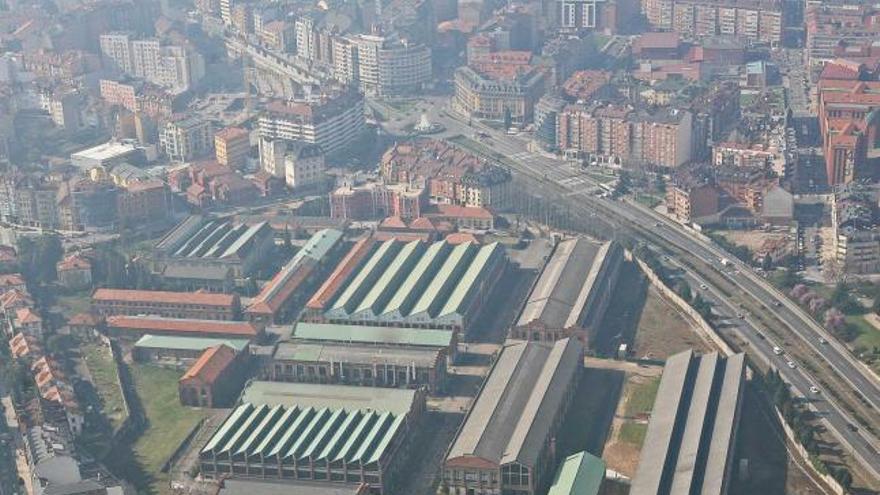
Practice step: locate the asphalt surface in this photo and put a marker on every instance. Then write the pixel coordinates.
(570, 182)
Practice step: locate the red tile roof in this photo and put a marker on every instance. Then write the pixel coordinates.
(27, 315)
(84, 319)
(340, 274)
(461, 238)
(11, 280)
(231, 133)
(74, 263)
(210, 364)
(180, 325)
(166, 297)
(457, 211)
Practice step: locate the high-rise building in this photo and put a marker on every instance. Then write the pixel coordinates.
(759, 20)
(383, 65)
(186, 139)
(171, 66)
(333, 120)
(231, 146)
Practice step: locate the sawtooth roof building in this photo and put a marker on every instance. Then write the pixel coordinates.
(689, 446)
(506, 442)
(315, 433)
(411, 284)
(210, 253)
(572, 293)
(277, 296)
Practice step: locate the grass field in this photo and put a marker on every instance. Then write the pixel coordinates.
(103, 374)
(869, 335)
(169, 421)
(633, 433)
(641, 399)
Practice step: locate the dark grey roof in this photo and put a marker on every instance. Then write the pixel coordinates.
(84, 486)
(512, 416)
(557, 300)
(690, 436)
(198, 272)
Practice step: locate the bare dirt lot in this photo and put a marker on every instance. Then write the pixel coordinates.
(664, 331)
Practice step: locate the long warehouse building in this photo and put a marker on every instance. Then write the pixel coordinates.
(410, 284)
(334, 434)
(689, 446)
(572, 293)
(277, 299)
(507, 441)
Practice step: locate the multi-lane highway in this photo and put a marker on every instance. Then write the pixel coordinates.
(571, 184)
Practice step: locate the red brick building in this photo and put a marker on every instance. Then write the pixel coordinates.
(848, 123)
(110, 302)
(135, 327)
(215, 379)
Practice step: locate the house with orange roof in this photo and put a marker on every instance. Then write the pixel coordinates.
(74, 272)
(12, 281)
(28, 321)
(215, 379)
(24, 346)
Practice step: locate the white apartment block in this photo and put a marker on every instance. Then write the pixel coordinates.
(186, 139)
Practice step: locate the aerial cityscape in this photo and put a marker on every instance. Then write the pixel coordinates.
(439, 247)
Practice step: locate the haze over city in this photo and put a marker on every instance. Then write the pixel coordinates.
(439, 247)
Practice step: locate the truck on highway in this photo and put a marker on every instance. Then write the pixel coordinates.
(725, 262)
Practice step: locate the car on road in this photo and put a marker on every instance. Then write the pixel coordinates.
(704, 286)
(777, 350)
(822, 340)
(791, 364)
(740, 316)
(852, 427)
(814, 389)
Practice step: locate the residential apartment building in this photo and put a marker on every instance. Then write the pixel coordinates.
(381, 64)
(615, 135)
(377, 200)
(333, 120)
(687, 202)
(849, 127)
(232, 146)
(503, 86)
(832, 24)
(143, 203)
(758, 20)
(170, 66)
(856, 236)
(453, 175)
(304, 166)
(183, 140)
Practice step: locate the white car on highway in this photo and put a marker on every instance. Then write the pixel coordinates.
(777, 350)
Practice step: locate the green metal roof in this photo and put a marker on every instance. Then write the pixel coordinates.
(354, 435)
(481, 262)
(229, 426)
(335, 443)
(389, 280)
(187, 343)
(370, 271)
(269, 418)
(308, 433)
(320, 244)
(245, 428)
(446, 276)
(386, 439)
(357, 435)
(579, 474)
(272, 436)
(408, 292)
(330, 332)
(379, 428)
(298, 424)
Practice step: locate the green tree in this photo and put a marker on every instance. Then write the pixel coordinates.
(684, 290)
(767, 262)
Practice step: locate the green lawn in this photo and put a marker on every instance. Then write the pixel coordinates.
(640, 400)
(633, 433)
(169, 421)
(103, 373)
(869, 336)
(74, 303)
